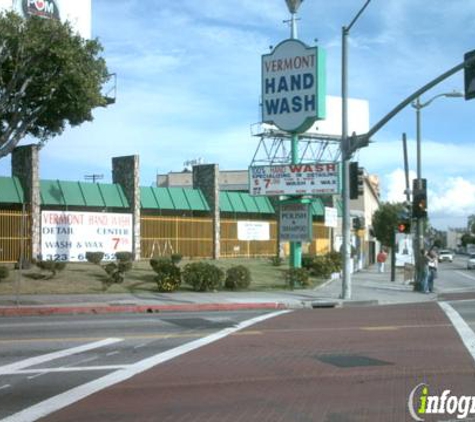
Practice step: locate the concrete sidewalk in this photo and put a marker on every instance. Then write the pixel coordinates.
(367, 287)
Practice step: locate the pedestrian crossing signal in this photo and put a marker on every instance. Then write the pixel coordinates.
(404, 227)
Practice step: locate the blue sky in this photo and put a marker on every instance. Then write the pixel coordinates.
(189, 86)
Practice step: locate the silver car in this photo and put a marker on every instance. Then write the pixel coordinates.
(471, 261)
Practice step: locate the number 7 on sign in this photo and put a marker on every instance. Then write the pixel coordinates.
(116, 241)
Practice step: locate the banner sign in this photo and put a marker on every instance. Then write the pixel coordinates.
(293, 86)
(294, 179)
(295, 223)
(67, 236)
(253, 230)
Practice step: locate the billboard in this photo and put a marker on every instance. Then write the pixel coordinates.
(293, 86)
(77, 13)
(294, 179)
(67, 236)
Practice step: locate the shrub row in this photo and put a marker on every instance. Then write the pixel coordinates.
(201, 276)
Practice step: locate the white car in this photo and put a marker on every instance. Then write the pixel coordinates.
(471, 261)
(445, 255)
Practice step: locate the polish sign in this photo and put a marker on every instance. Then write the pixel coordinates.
(67, 236)
(293, 86)
(294, 179)
(295, 223)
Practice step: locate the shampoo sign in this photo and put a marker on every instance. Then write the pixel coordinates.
(293, 86)
(67, 236)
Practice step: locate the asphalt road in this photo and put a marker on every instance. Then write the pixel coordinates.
(372, 357)
(42, 357)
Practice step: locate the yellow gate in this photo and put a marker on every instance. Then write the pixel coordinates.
(15, 238)
(188, 236)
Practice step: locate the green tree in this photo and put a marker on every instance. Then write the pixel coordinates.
(385, 220)
(471, 223)
(49, 77)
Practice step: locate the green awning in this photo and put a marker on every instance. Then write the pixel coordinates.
(224, 202)
(179, 199)
(173, 199)
(72, 193)
(113, 196)
(11, 191)
(92, 194)
(318, 209)
(196, 199)
(147, 198)
(62, 193)
(249, 203)
(163, 198)
(236, 202)
(51, 193)
(264, 205)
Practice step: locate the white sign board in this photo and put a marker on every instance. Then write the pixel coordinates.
(295, 223)
(293, 86)
(294, 179)
(253, 230)
(77, 13)
(67, 236)
(331, 217)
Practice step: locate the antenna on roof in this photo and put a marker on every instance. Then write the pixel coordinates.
(93, 177)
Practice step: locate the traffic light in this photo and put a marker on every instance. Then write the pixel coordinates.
(419, 199)
(356, 180)
(404, 226)
(469, 76)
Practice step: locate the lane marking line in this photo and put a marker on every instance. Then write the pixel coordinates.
(2, 387)
(67, 398)
(471, 277)
(463, 329)
(68, 369)
(56, 355)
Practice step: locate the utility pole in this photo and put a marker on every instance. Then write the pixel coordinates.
(93, 177)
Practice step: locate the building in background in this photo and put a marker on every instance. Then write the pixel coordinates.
(77, 13)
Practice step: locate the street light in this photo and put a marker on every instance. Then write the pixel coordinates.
(418, 106)
(345, 159)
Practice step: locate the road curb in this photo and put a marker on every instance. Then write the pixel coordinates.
(117, 309)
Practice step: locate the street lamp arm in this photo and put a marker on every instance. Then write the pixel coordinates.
(347, 28)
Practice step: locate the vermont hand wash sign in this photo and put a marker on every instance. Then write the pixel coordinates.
(293, 86)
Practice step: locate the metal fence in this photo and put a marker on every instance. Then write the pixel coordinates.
(188, 236)
(15, 239)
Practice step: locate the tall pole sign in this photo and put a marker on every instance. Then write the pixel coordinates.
(293, 96)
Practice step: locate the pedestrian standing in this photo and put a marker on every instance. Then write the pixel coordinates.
(424, 271)
(381, 259)
(432, 267)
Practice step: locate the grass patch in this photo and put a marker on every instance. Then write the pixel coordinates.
(87, 278)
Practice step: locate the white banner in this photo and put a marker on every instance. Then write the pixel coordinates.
(294, 179)
(67, 236)
(331, 217)
(253, 230)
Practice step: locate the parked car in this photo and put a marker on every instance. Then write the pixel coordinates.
(446, 255)
(471, 261)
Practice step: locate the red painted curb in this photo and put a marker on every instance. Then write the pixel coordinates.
(105, 309)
